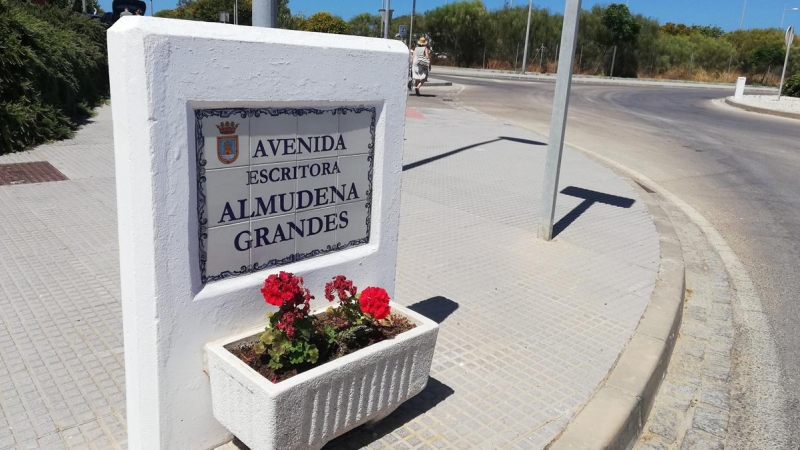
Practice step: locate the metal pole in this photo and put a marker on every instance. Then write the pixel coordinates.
(265, 13)
(516, 57)
(151, 8)
(411, 27)
(484, 56)
(527, 37)
(730, 61)
(387, 18)
(741, 22)
(783, 74)
(580, 60)
(83, 7)
(558, 121)
(613, 59)
(783, 16)
(235, 12)
(786, 59)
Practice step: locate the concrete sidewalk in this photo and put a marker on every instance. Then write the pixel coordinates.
(788, 107)
(529, 330)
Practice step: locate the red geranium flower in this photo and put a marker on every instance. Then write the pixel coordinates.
(375, 302)
(341, 286)
(285, 289)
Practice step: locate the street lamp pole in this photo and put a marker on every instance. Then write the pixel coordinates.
(265, 13)
(388, 19)
(152, 12)
(741, 22)
(411, 27)
(527, 37)
(784, 12)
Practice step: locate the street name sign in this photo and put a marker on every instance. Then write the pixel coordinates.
(280, 185)
(241, 152)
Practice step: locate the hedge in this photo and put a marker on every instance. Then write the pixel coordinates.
(53, 70)
(791, 88)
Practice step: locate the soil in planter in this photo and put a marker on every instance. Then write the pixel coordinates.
(361, 338)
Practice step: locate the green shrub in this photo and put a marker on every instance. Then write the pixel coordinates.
(53, 69)
(791, 88)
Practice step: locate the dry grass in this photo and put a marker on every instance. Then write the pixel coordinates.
(699, 75)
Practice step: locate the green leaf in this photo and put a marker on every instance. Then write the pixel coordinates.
(312, 354)
(259, 348)
(330, 334)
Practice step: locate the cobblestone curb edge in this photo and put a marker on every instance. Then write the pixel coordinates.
(771, 112)
(615, 416)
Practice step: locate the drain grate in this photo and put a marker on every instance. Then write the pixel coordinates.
(28, 173)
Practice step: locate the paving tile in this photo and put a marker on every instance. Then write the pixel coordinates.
(534, 326)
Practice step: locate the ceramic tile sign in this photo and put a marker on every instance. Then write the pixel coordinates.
(280, 185)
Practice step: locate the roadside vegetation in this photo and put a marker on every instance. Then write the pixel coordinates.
(467, 34)
(53, 71)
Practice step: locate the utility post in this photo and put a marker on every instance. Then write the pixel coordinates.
(411, 26)
(387, 19)
(527, 38)
(265, 13)
(558, 121)
(613, 59)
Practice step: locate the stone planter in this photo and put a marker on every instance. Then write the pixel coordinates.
(310, 409)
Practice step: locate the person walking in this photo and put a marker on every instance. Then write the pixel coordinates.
(421, 64)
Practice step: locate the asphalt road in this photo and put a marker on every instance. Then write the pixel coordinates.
(740, 170)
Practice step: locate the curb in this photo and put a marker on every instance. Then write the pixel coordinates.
(616, 414)
(601, 81)
(438, 83)
(771, 112)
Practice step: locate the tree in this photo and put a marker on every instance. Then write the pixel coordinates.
(91, 7)
(325, 22)
(673, 29)
(208, 11)
(765, 57)
(709, 31)
(364, 24)
(622, 31)
(621, 26)
(460, 29)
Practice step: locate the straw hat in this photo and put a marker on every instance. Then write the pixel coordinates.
(422, 41)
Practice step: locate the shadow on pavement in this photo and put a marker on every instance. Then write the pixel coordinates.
(589, 198)
(433, 394)
(435, 308)
(431, 159)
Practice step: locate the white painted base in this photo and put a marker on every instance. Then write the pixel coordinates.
(310, 409)
(739, 93)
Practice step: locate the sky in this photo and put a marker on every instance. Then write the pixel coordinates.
(723, 13)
